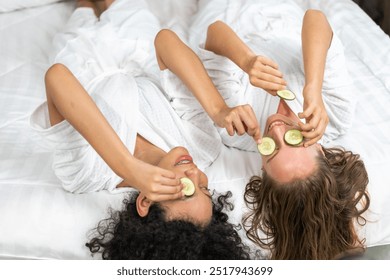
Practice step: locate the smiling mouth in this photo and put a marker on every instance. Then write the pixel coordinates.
(183, 160)
(276, 123)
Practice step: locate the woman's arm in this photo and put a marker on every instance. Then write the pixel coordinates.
(67, 99)
(262, 71)
(176, 56)
(316, 39)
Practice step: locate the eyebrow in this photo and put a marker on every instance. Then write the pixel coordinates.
(274, 154)
(184, 198)
(277, 151)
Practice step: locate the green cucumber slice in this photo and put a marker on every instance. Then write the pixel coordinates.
(189, 187)
(293, 137)
(267, 146)
(286, 94)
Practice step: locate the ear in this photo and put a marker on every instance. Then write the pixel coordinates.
(143, 204)
(320, 148)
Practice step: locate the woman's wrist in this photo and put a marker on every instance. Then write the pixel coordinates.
(128, 170)
(247, 61)
(312, 88)
(218, 115)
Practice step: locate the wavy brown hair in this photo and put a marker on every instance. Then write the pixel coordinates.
(311, 218)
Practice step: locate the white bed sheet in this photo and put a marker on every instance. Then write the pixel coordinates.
(39, 220)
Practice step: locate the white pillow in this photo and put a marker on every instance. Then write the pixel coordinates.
(12, 5)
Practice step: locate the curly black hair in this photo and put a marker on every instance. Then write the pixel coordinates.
(127, 236)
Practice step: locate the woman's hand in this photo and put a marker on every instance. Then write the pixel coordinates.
(315, 114)
(264, 73)
(240, 119)
(156, 183)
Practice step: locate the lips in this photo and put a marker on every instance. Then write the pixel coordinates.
(186, 159)
(276, 123)
(279, 119)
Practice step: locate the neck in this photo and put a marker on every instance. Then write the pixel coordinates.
(147, 152)
(285, 110)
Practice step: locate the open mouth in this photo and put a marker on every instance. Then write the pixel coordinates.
(276, 123)
(278, 120)
(186, 159)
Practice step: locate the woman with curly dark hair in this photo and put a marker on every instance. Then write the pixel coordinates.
(127, 235)
(112, 127)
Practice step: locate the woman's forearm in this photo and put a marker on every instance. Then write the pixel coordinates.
(316, 39)
(222, 40)
(262, 71)
(176, 56)
(75, 105)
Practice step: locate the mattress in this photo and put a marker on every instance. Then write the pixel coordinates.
(39, 220)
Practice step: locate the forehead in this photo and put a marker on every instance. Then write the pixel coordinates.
(292, 163)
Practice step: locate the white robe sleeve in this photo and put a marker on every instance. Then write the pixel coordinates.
(76, 164)
(338, 92)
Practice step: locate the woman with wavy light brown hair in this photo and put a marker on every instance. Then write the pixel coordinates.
(310, 198)
(314, 217)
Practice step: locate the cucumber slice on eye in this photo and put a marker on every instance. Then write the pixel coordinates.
(293, 137)
(189, 187)
(267, 146)
(286, 94)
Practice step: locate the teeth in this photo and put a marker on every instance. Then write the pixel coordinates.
(186, 161)
(275, 123)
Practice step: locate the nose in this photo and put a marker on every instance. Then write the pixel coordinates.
(194, 175)
(278, 133)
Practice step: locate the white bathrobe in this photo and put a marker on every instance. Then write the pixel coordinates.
(115, 61)
(271, 28)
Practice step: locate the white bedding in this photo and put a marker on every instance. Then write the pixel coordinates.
(39, 220)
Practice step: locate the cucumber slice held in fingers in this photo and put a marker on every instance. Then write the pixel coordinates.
(267, 146)
(293, 137)
(189, 187)
(286, 94)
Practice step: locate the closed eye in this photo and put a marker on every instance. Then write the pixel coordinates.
(206, 192)
(274, 153)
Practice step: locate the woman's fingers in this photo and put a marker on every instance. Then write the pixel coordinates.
(239, 126)
(314, 135)
(267, 61)
(165, 197)
(168, 173)
(312, 123)
(272, 92)
(266, 85)
(242, 119)
(229, 128)
(259, 69)
(315, 129)
(250, 120)
(169, 182)
(266, 77)
(264, 73)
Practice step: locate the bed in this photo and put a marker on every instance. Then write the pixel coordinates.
(39, 220)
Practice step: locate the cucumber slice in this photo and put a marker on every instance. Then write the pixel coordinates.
(267, 146)
(293, 137)
(286, 94)
(189, 187)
